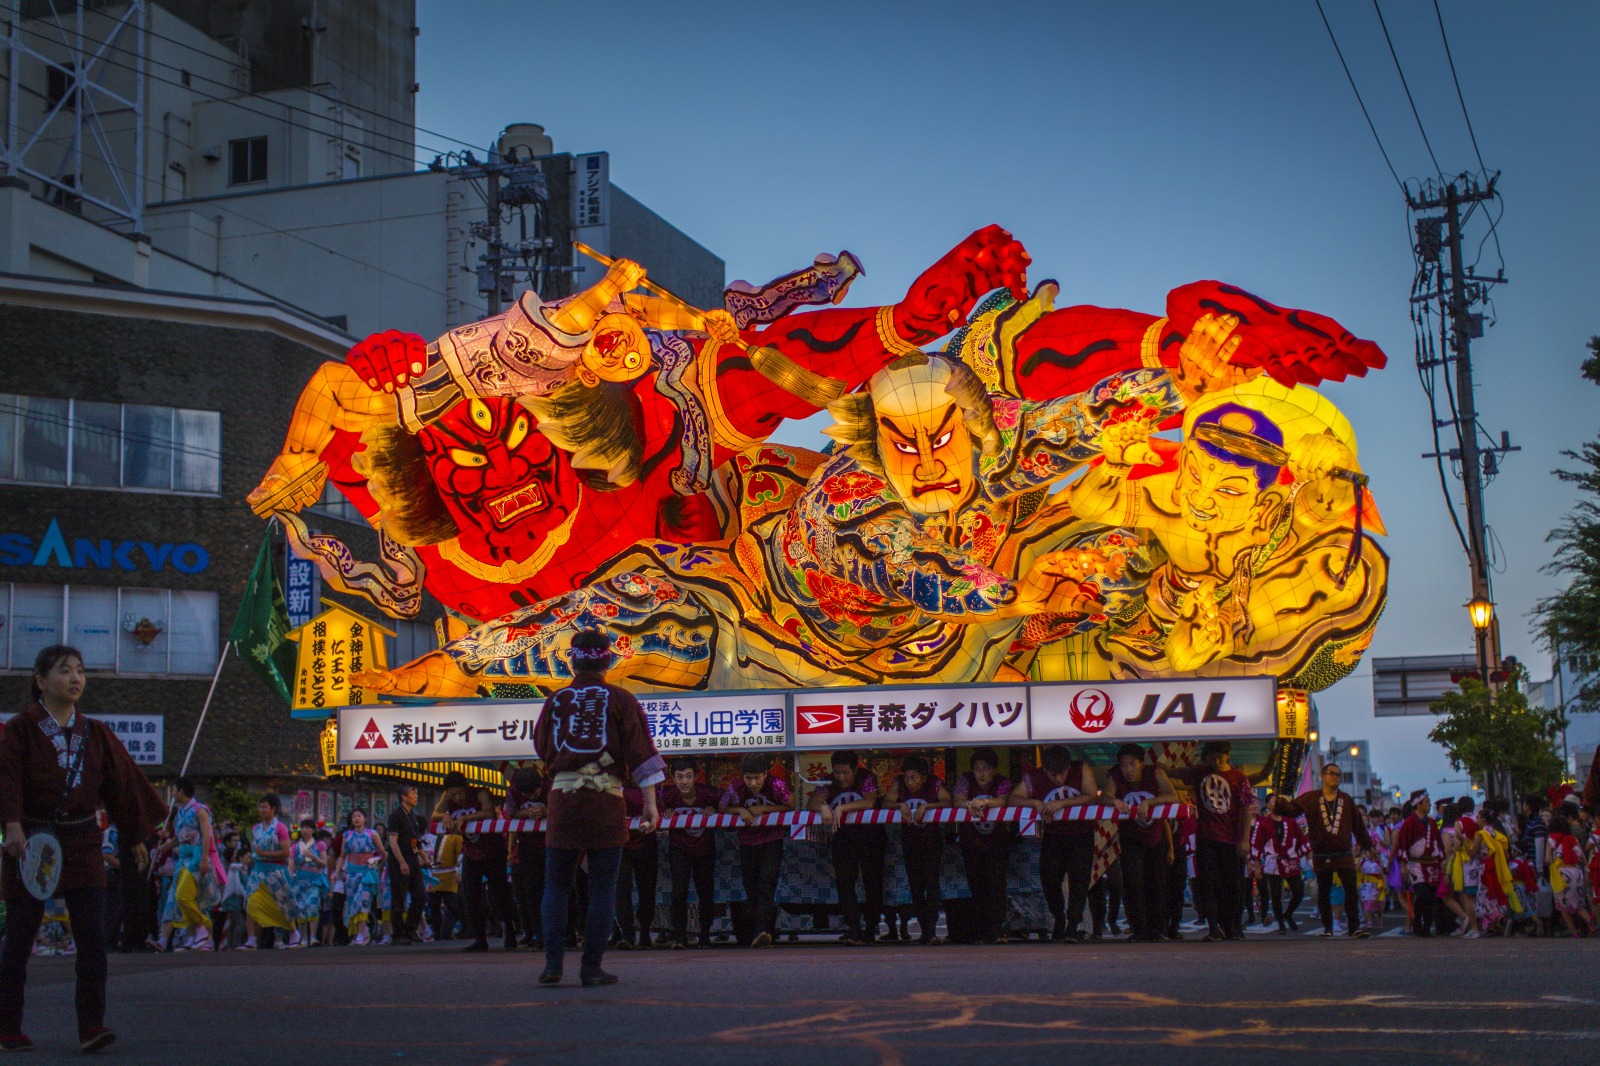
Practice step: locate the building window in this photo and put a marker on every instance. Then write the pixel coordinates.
(58, 87)
(247, 160)
(334, 505)
(109, 445)
(411, 640)
(137, 632)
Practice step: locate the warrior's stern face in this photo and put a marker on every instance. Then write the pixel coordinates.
(925, 448)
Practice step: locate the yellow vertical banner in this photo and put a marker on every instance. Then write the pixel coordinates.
(1294, 714)
(335, 645)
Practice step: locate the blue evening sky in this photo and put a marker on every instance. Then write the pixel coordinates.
(1132, 147)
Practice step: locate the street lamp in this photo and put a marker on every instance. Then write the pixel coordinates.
(1481, 610)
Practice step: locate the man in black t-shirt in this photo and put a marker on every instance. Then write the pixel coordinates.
(405, 871)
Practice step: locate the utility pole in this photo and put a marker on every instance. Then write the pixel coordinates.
(1458, 291)
(493, 256)
(512, 181)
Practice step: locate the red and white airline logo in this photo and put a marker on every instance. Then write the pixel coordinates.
(371, 737)
(825, 719)
(1090, 710)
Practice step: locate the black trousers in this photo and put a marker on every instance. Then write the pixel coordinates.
(341, 932)
(444, 911)
(924, 860)
(1297, 892)
(1177, 881)
(1217, 870)
(1105, 898)
(112, 928)
(559, 880)
(1072, 858)
(86, 907)
(986, 880)
(1343, 868)
(858, 856)
(475, 874)
(527, 886)
(138, 910)
(402, 886)
(641, 867)
(1424, 898)
(758, 868)
(1144, 886)
(702, 870)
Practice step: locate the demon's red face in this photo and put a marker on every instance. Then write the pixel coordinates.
(505, 485)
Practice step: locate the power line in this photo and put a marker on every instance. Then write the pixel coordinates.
(1414, 112)
(323, 96)
(268, 227)
(1359, 102)
(236, 101)
(1451, 60)
(290, 85)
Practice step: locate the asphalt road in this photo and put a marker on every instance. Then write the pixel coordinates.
(1268, 1000)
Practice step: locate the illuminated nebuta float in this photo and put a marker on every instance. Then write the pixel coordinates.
(1058, 493)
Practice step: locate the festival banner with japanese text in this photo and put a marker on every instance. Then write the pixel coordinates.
(717, 724)
(910, 717)
(334, 646)
(484, 730)
(142, 734)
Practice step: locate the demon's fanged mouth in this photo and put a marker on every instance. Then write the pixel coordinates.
(518, 502)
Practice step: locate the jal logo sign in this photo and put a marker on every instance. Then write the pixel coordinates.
(91, 553)
(1091, 710)
(1186, 709)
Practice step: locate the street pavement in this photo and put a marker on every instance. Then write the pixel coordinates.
(1262, 1001)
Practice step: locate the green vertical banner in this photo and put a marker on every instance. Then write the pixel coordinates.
(260, 628)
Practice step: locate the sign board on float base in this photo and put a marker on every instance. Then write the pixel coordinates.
(891, 716)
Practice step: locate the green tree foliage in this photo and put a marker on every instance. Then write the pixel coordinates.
(1489, 733)
(232, 802)
(1569, 621)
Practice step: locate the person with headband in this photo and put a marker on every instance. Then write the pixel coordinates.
(589, 735)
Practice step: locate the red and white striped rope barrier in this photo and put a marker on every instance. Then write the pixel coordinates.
(800, 820)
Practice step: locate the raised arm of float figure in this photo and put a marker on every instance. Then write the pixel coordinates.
(1104, 494)
(578, 314)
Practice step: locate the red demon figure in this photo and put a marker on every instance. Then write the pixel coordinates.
(507, 500)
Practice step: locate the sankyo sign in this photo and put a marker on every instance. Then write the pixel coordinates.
(85, 553)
